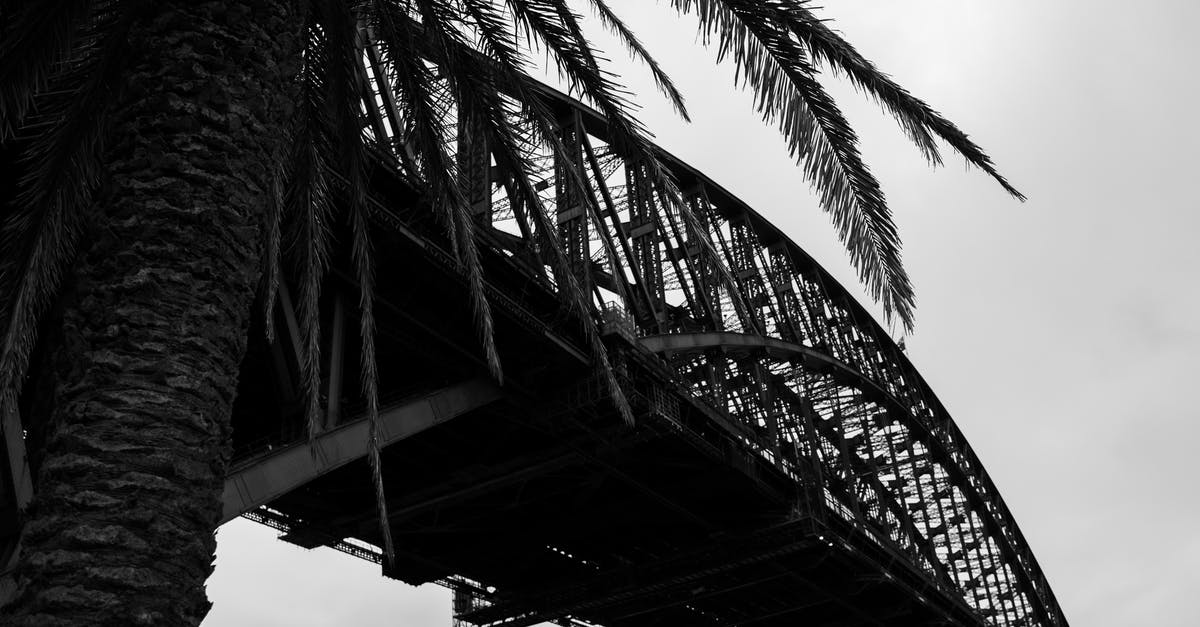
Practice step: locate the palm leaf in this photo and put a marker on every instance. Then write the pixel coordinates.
(417, 88)
(36, 37)
(494, 39)
(309, 208)
(916, 117)
(476, 82)
(346, 88)
(273, 241)
(776, 67)
(62, 167)
(639, 52)
(558, 31)
(627, 136)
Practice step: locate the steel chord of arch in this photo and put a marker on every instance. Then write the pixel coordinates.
(760, 331)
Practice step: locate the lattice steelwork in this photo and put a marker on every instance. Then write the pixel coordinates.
(755, 328)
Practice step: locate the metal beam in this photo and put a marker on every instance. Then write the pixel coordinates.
(774, 347)
(286, 469)
(336, 365)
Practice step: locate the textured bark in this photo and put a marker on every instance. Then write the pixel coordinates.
(154, 325)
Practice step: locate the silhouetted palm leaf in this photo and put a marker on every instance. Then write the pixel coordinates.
(33, 39)
(548, 23)
(310, 207)
(916, 117)
(41, 225)
(428, 136)
(638, 51)
(342, 23)
(774, 64)
(474, 85)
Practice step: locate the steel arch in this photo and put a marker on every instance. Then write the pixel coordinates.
(756, 327)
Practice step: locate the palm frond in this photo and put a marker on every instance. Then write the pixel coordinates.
(346, 88)
(62, 168)
(638, 51)
(631, 142)
(916, 117)
(558, 31)
(39, 37)
(508, 153)
(787, 92)
(628, 137)
(273, 241)
(569, 284)
(829, 49)
(417, 89)
(494, 39)
(476, 82)
(309, 208)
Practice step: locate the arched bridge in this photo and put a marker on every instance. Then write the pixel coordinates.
(786, 463)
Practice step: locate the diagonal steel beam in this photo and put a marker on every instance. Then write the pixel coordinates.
(282, 470)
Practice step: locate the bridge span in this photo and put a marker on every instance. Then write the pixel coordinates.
(785, 463)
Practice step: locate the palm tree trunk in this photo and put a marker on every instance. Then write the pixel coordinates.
(154, 327)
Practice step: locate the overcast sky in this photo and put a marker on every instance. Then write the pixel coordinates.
(1060, 333)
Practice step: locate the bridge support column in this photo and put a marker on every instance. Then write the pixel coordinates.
(643, 231)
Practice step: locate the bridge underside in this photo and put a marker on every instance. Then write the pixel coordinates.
(566, 512)
(539, 493)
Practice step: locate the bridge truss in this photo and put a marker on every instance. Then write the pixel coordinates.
(756, 329)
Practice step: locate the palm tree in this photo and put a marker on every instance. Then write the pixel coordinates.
(155, 142)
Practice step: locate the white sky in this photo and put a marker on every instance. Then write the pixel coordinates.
(1060, 333)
